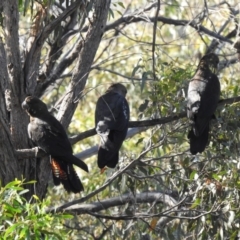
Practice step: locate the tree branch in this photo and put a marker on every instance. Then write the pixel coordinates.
(137, 126)
(58, 70)
(133, 19)
(30, 153)
(174, 214)
(154, 39)
(85, 60)
(60, 40)
(152, 122)
(93, 150)
(141, 17)
(52, 68)
(121, 75)
(146, 197)
(31, 65)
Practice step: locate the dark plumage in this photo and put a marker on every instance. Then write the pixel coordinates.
(49, 135)
(202, 101)
(111, 122)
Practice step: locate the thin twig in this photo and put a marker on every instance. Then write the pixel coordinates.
(154, 39)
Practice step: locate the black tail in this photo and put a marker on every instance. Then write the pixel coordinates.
(108, 153)
(65, 173)
(107, 158)
(74, 160)
(198, 144)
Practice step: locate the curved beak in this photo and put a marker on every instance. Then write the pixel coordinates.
(25, 105)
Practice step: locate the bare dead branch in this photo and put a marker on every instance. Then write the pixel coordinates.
(145, 197)
(30, 153)
(137, 216)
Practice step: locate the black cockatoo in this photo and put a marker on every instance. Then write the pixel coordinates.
(202, 101)
(49, 135)
(111, 122)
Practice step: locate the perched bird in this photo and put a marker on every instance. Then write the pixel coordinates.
(202, 101)
(111, 122)
(49, 135)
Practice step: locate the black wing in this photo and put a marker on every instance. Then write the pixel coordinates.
(111, 120)
(198, 144)
(49, 136)
(52, 138)
(203, 97)
(112, 110)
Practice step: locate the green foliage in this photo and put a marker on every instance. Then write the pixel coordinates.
(20, 219)
(28, 5)
(116, 7)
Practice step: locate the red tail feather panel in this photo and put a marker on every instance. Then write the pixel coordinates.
(57, 171)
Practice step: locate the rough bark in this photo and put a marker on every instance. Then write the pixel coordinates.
(10, 89)
(8, 162)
